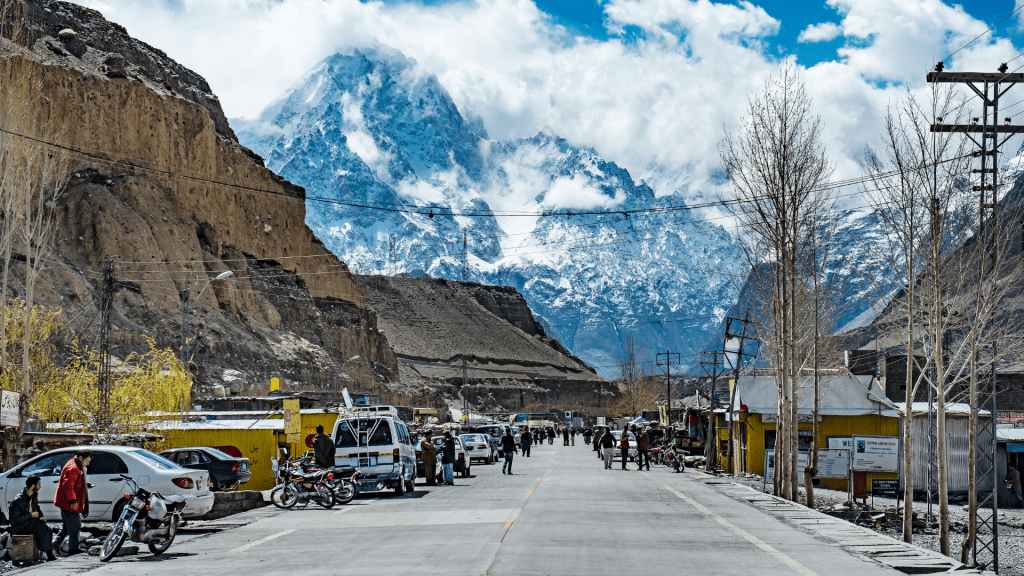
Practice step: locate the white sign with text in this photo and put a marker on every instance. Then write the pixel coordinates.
(875, 454)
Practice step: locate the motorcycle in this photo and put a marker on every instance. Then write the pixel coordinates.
(148, 518)
(296, 486)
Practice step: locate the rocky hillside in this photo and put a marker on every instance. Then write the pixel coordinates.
(160, 185)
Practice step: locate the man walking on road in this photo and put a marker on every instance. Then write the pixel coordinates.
(643, 443)
(323, 449)
(527, 440)
(508, 446)
(565, 437)
(1013, 483)
(448, 458)
(71, 499)
(624, 446)
(572, 436)
(429, 452)
(608, 447)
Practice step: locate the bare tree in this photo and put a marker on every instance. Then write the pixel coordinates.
(776, 166)
(635, 384)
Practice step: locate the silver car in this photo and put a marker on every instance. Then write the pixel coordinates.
(479, 447)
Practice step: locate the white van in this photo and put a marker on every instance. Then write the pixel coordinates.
(380, 447)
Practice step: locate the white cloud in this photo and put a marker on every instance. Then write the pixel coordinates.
(820, 32)
(657, 105)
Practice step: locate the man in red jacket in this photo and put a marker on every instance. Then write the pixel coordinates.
(71, 499)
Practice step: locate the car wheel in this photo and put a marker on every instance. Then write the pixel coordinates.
(410, 486)
(118, 509)
(214, 485)
(400, 486)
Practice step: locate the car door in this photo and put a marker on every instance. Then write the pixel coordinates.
(104, 473)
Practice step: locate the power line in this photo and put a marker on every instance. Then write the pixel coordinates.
(1017, 9)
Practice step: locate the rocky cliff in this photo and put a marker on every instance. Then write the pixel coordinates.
(160, 185)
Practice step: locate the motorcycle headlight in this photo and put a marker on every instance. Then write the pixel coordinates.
(157, 508)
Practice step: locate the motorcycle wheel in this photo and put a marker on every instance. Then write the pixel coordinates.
(115, 539)
(284, 496)
(160, 546)
(345, 494)
(325, 496)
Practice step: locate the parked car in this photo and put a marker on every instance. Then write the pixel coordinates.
(381, 448)
(226, 471)
(106, 497)
(617, 434)
(462, 464)
(479, 447)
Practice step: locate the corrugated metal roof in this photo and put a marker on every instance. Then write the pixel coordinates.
(920, 409)
(248, 424)
(1010, 435)
(838, 395)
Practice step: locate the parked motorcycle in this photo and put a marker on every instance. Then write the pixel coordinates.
(148, 518)
(297, 486)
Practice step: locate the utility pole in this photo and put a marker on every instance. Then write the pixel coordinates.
(184, 323)
(732, 334)
(465, 255)
(465, 404)
(985, 131)
(711, 439)
(665, 361)
(106, 303)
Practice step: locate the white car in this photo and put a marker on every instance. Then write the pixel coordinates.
(479, 447)
(462, 464)
(381, 448)
(106, 496)
(617, 435)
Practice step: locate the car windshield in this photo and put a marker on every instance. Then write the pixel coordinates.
(217, 453)
(372, 432)
(154, 460)
(440, 441)
(474, 438)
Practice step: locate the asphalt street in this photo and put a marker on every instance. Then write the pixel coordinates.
(560, 513)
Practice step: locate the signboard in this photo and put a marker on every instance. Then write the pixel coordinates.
(465, 415)
(840, 443)
(1010, 419)
(833, 464)
(275, 384)
(9, 408)
(801, 418)
(888, 488)
(292, 420)
(600, 421)
(875, 454)
(347, 397)
(522, 418)
(803, 460)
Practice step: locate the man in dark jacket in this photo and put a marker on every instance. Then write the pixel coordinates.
(565, 437)
(448, 459)
(607, 447)
(508, 447)
(27, 518)
(323, 449)
(526, 440)
(643, 444)
(597, 442)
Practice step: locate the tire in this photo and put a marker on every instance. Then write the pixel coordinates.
(325, 496)
(214, 485)
(465, 471)
(113, 542)
(400, 487)
(161, 547)
(410, 486)
(284, 496)
(345, 493)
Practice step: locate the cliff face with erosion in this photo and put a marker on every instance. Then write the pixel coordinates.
(160, 185)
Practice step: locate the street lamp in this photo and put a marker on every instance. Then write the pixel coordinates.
(187, 308)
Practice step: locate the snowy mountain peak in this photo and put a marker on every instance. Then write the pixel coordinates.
(365, 126)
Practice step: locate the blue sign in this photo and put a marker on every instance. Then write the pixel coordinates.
(522, 417)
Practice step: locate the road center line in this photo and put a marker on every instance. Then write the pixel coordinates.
(539, 479)
(262, 541)
(796, 566)
(528, 494)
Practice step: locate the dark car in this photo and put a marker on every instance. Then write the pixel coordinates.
(226, 471)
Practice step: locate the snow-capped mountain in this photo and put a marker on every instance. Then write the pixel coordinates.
(366, 127)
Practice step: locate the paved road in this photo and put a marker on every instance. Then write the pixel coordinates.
(561, 513)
